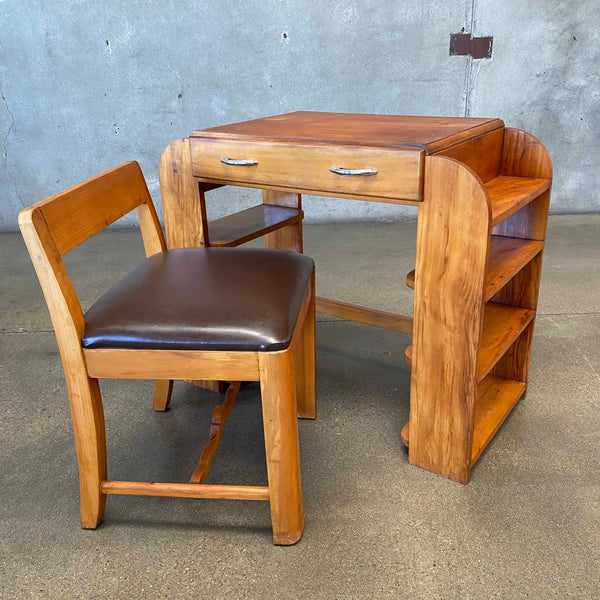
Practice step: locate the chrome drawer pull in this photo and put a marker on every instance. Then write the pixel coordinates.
(342, 171)
(244, 162)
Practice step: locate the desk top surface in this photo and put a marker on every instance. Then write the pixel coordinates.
(431, 134)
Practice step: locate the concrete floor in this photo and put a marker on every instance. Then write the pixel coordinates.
(527, 526)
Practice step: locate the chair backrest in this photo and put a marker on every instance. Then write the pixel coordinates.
(56, 225)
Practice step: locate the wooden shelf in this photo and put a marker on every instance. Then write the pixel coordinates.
(502, 325)
(509, 194)
(506, 258)
(496, 397)
(246, 225)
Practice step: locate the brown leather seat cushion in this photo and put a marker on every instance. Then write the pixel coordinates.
(203, 299)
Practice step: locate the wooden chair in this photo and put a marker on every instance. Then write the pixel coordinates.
(240, 315)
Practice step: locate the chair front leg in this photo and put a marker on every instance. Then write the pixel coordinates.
(278, 389)
(88, 425)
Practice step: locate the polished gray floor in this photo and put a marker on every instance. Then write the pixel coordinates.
(527, 526)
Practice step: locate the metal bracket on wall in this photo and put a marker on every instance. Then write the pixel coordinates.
(463, 44)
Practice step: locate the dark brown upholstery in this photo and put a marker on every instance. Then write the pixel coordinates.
(203, 299)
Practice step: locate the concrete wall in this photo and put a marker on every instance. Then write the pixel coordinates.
(86, 85)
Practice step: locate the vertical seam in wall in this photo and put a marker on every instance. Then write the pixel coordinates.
(470, 27)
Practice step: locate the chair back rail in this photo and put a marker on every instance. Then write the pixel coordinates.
(58, 224)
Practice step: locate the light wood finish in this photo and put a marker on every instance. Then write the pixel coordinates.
(432, 134)
(482, 154)
(405, 434)
(249, 224)
(306, 391)
(178, 364)
(184, 204)
(523, 155)
(49, 230)
(187, 490)
(509, 194)
(289, 237)
(219, 416)
(163, 389)
(473, 175)
(447, 317)
(361, 314)
(496, 397)
(408, 355)
(502, 324)
(507, 256)
(85, 209)
(520, 197)
(294, 167)
(278, 389)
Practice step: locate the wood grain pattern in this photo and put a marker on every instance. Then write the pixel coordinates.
(245, 225)
(83, 210)
(502, 324)
(509, 194)
(447, 317)
(171, 364)
(289, 237)
(482, 154)
(49, 221)
(187, 490)
(496, 397)
(304, 127)
(523, 155)
(278, 389)
(362, 314)
(521, 291)
(507, 256)
(219, 416)
(306, 391)
(296, 167)
(184, 204)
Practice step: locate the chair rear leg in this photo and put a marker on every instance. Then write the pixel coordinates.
(305, 363)
(90, 439)
(278, 389)
(162, 394)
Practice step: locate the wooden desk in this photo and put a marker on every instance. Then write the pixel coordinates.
(482, 191)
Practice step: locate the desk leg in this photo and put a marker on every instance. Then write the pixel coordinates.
(184, 211)
(183, 201)
(452, 244)
(289, 237)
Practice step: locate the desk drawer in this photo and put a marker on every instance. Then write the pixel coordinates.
(305, 168)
